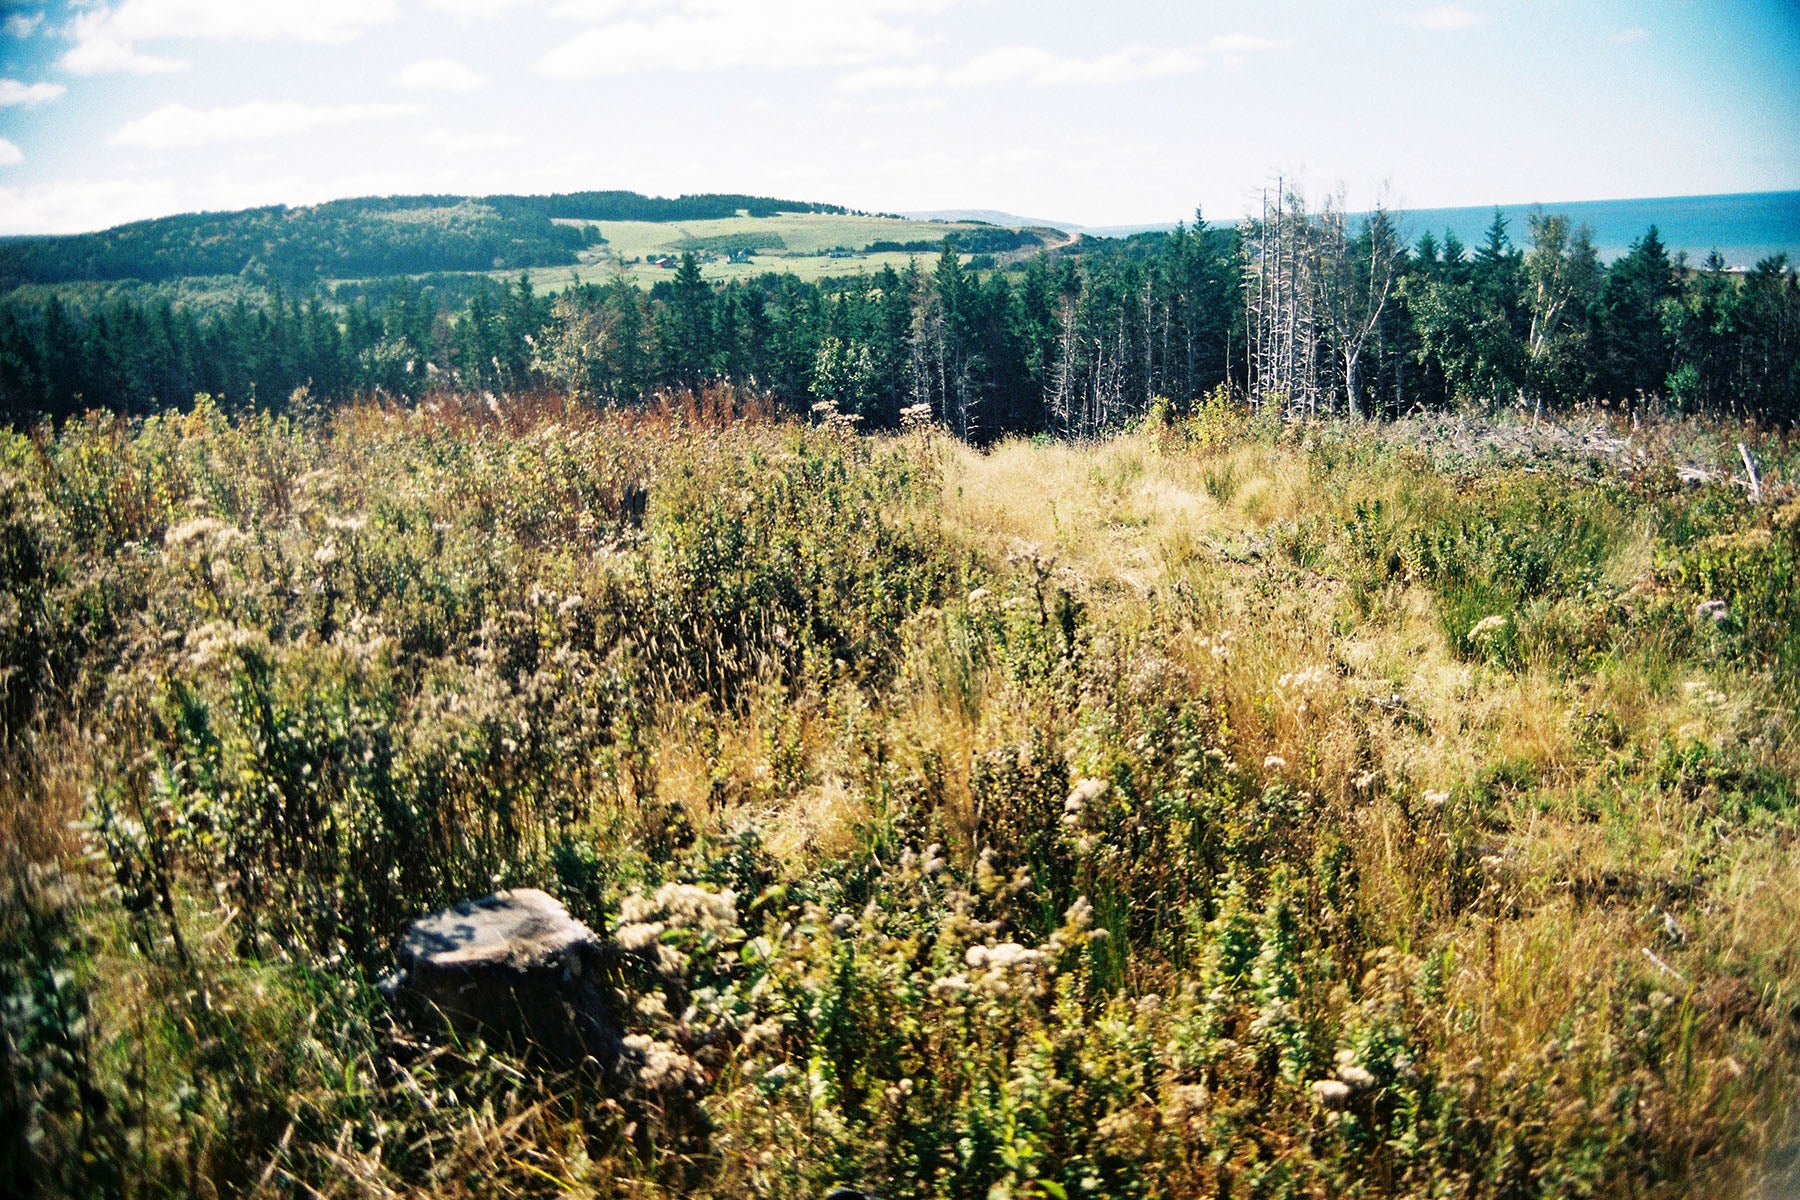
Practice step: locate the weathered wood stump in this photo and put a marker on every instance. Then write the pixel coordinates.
(516, 969)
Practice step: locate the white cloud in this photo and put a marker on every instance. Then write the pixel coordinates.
(1447, 17)
(12, 91)
(710, 34)
(439, 75)
(23, 25)
(1626, 36)
(106, 38)
(877, 78)
(474, 10)
(177, 125)
(589, 10)
(1032, 66)
(1243, 43)
(261, 20)
(97, 52)
(10, 155)
(469, 143)
(74, 207)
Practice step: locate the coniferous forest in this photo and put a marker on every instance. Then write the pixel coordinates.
(1303, 309)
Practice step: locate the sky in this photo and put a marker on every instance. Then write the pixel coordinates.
(1128, 111)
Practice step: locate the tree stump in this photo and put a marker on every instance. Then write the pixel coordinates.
(516, 969)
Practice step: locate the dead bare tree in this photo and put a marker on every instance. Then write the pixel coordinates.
(1355, 279)
(1282, 271)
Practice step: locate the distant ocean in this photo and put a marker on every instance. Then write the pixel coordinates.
(1744, 229)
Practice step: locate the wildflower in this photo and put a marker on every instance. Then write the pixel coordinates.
(639, 934)
(1330, 1093)
(326, 554)
(762, 1033)
(1487, 627)
(1716, 609)
(1301, 680)
(1437, 799)
(347, 524)
(1364, 781)
(194, 530)
(949, 985)
(1274, 762)
(1360, 1079)
(1117, 1126)
(663, 1067)
(1190, 1100)
(1085, 793)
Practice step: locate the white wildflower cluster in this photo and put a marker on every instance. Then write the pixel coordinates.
(1300, 685)
(1084, 794)
(1698, 691)
(1274, 762)
(1488, 628)
(997, 969)
(360, 637)
(662, 1067)
(1436, 799)
(643, 920)
(827, 413)
(1118, 1126)
(219, 642)
(1359, 1078)
(1330, 1094)
(930, 865)
(1303, 680)
(198, 529)
(1188, 1103)
(1077, 929)
(1220, 645)
(351, 524)
(1716, 611)
(990, 881)
(915, 416)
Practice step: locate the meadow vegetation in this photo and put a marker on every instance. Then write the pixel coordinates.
(1232, 807)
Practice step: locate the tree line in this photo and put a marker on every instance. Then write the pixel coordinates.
(1298, 307)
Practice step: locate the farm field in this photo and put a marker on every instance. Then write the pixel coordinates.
(794, 243)
(1225, 806)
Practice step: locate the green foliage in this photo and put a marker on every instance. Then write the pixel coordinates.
(943, 870)
(1517, 567)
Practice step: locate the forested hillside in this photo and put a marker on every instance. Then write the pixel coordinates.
(1299, 309)
(394, 235)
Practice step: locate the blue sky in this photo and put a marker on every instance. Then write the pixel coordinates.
(1121, 112)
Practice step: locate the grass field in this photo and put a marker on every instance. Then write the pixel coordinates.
(802, 240)
(1224, 808)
